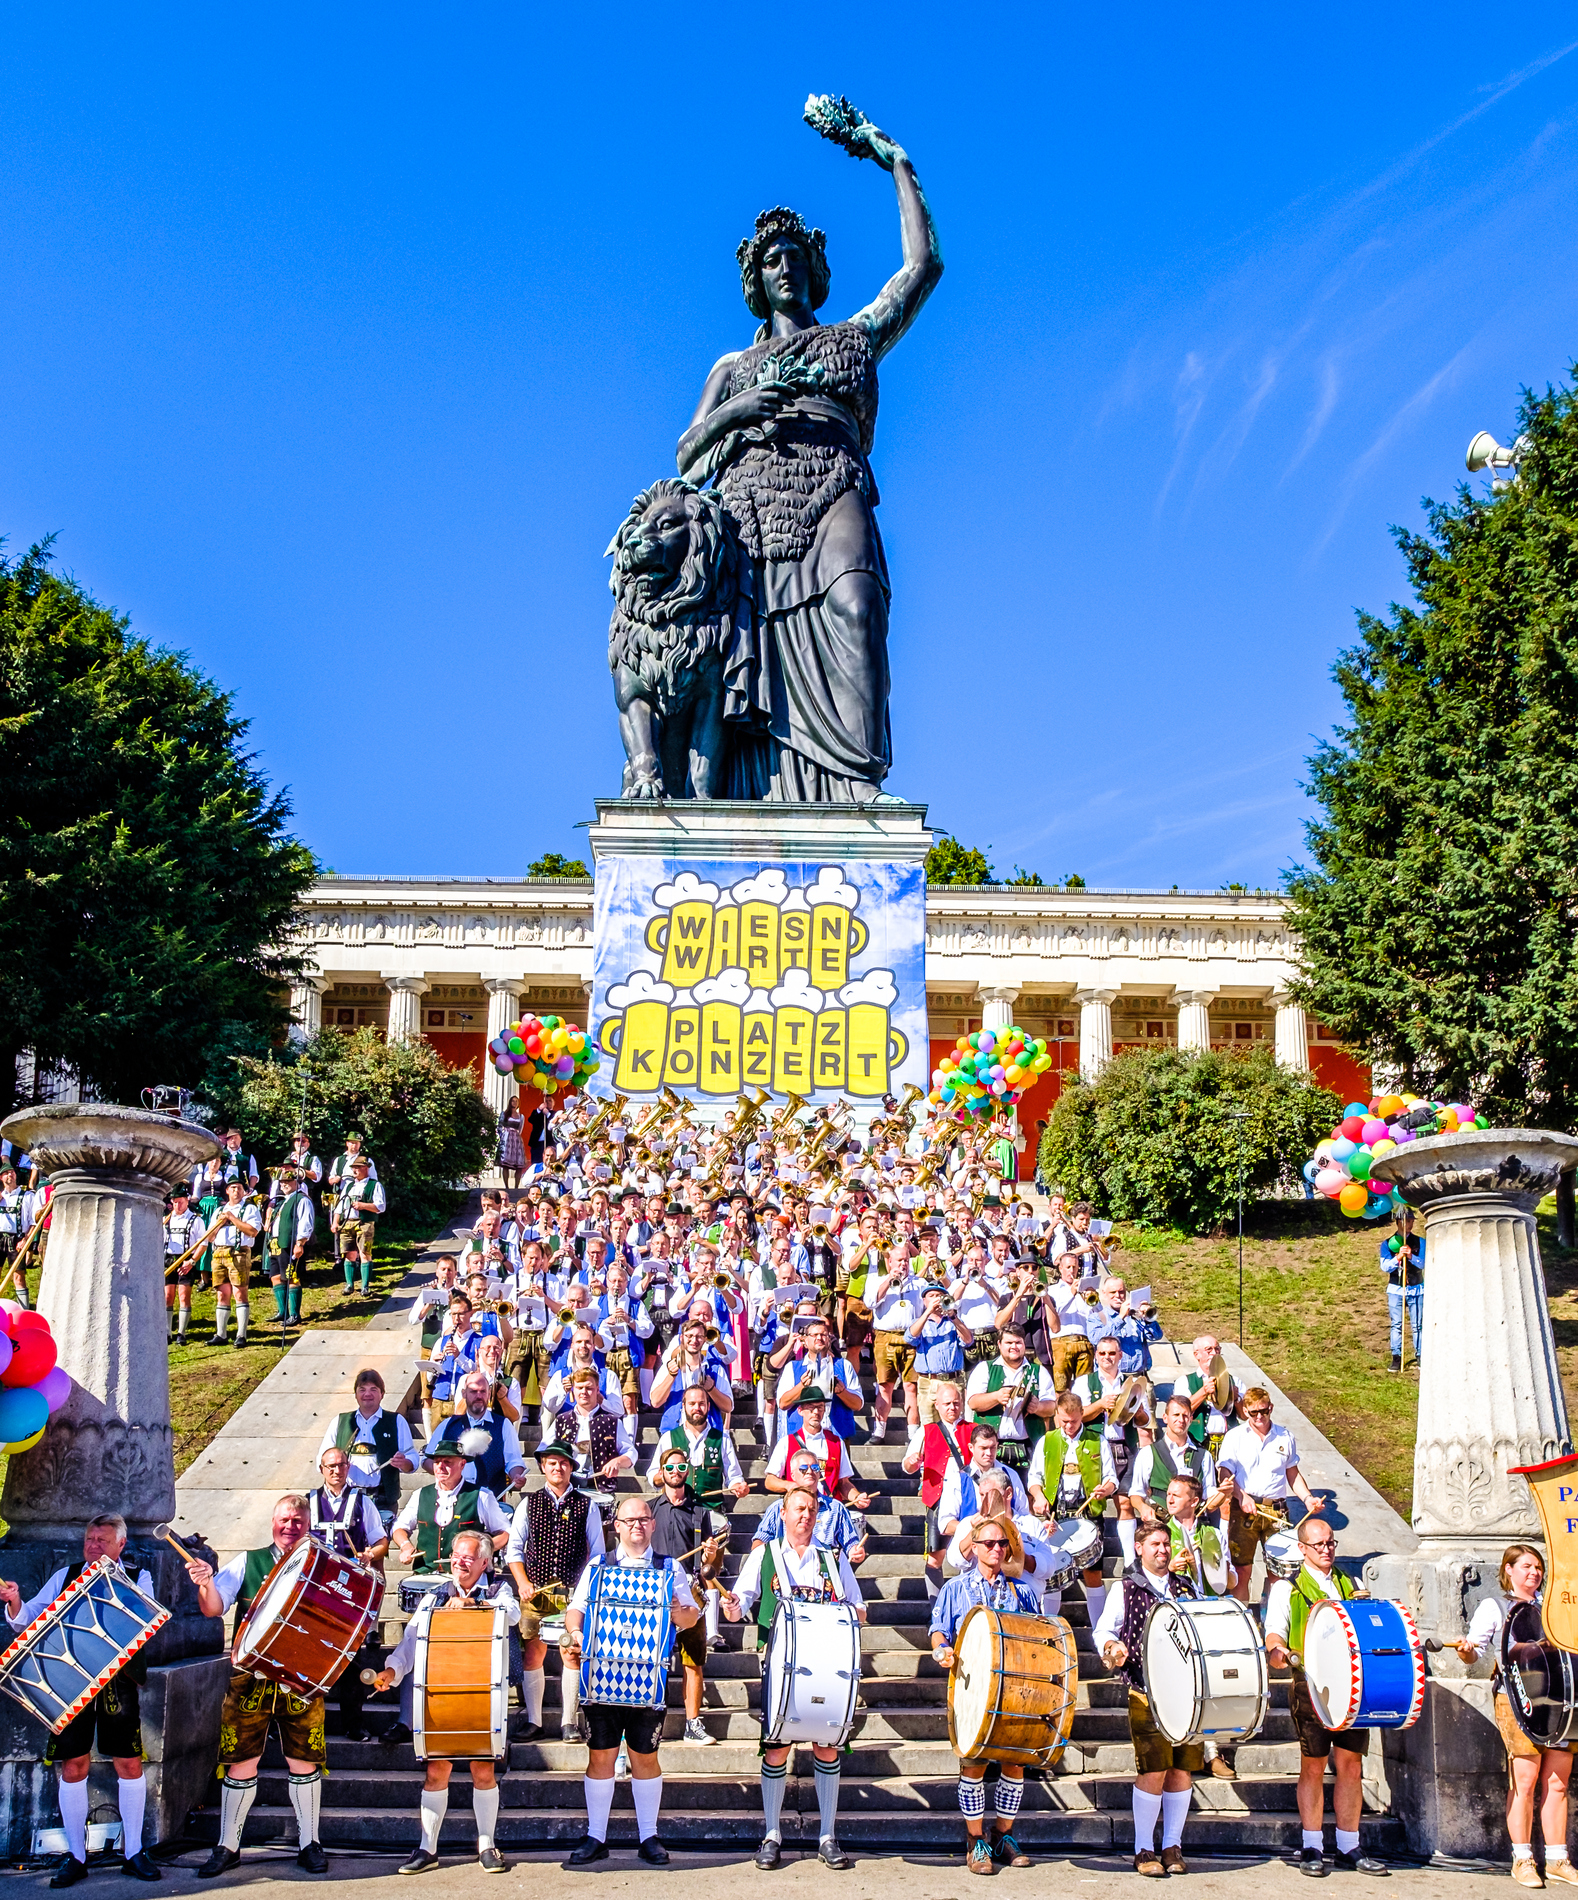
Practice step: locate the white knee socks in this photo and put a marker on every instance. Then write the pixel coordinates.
(713, 1604)
(648, 1797)
(599, 1800)
(305, 1791)
(1147, 1811)
(1052, 1603)
(485, 1806)
(531, 1695)
(73, 1797)
(1175, 1811)
(435, 1805)
(133, 1799)
(774, 1781)
(235, 1804)
(570, 1698)
(1126, 1529)
(243, 1316)
(1095, 1601)
(826, 1778)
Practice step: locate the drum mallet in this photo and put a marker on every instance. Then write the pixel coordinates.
(167, 1532)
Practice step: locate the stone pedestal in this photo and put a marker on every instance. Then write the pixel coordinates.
(109, 1446)
(1490, 1398)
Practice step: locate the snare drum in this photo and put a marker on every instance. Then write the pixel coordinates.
(415, 1591)
(1076, 1547)
(308, 1620)
(1205, 1668)
(70, 1650)
(1283, 1555)
(812, 1674)
(1538, 1679)
(460, 1683)
(1013, 1687)
(1364, 1664)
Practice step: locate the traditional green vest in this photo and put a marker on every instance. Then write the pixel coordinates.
(432, 1547)
(283, 1237)
(1168, 1462)
(1306, 1594)
(1088, 1386)
(767, 1602)
(1208, 1541)
(386, 1442)
(1052, 1454)
(259, 1564)
(1192, 1383)
(706, 1485)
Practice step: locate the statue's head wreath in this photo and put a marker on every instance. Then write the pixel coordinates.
(781, 222)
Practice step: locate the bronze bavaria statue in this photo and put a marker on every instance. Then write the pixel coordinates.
(797, 624)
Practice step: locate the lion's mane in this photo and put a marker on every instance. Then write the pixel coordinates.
(664, 639)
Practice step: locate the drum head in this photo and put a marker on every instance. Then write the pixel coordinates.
(269, 1605)
(1539, 1679)
(1080, 1538)
(1174, 1680)
(1283, 1556)
(1332, 1664)
(970, 1685)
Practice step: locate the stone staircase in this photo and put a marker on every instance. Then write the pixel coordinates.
(899, 1783)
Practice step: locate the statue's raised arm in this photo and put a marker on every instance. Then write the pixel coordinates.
(891, 312)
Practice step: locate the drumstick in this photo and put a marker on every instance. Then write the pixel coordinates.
(370, 1678)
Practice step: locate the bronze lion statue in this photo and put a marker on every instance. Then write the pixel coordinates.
(674, 588)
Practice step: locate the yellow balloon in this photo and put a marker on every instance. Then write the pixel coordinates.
(27, 1444)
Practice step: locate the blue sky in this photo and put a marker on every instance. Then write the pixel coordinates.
(336, 342)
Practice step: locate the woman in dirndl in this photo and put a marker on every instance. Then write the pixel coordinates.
(512, 1146)
(1531, 1769)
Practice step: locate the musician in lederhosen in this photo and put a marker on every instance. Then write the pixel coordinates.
(685, 1529)
(610, 1723)
(1288, 1608)
(1071, 1477)
(992, 1539)
(502, 1464)
(1262, 1460)
(812, 1574)
(1165, 1770)
(183, 1228)
(1531, 1770)
(253, 1704)
(469, 1583)
(355, 1219)
(552, 1534)
(931, 1451)
(378, 1442)
(112, 1719)
(1108, 1400)
(1009, 1391)
(287, 1231)
(344, 1517)
(234, 1238)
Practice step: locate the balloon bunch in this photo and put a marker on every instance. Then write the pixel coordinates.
(988, 1070)
(545, 1052)
(1369, 1132)
(31, 1384)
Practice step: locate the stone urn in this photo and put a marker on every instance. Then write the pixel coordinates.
(109, 1446)
(1490, 1394)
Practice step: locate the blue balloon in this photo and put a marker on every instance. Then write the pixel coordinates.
(1311, 1169)
(1357, 1108)
(23, 1411)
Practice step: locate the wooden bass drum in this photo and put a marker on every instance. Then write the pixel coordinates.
(308, 1620)
(1013, 1687)
(460, 1683)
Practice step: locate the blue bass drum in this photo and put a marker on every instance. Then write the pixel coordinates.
(1364, 1664)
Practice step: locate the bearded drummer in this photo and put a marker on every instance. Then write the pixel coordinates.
(252, 1704)
(1166, 1770)
(469, 1584)
(815, 1574)
(610, 1723)
(992, 1541)
(112, 1718)
(1287, 1614)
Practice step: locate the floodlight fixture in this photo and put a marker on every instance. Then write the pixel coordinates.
(1486, 452)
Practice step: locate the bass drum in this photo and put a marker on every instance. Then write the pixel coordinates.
(1538, 1679)
(460, 1685)
(812, 1674)
(1364, 1663)
(1013, 1688)
(308, 1620)
(1205, 1668)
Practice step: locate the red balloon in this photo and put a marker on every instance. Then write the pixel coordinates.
(1352, 1128)
(34, 1356)
(28, 1317)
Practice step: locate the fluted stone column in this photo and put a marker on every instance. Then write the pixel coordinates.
(997, 1005)
(405, 1006)
(1292, 1032)
(504, 1008)
(1095, 1030)
(306, 1005)
(109, 1447)
(1194, 1018)
(1490, 1395)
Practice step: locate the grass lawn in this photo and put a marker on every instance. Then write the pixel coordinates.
(208, 1382)
(1315, 1318)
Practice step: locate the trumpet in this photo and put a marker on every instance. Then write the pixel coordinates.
(722, 1281)
(565, 1315)
(819, 1231)
(713, 1335)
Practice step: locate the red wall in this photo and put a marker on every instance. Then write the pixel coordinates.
(461, 1049)
(1340, 1072)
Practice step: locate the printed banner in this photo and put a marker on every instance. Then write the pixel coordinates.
(804, 979)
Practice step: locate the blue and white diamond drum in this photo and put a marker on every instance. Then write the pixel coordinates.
(68, 1653)
(1364, 1664)
(812, 1677)
(1539, 1679)
(627, 1634)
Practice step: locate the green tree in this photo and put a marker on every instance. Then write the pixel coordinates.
(1438, 921)
(949, 862)
(1153, 1138)
(424, 1124)
(1023, 877)
(551, 864)
(146, 874)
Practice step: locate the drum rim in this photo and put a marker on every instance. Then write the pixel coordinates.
(1196, 1659)
(1240, 1614)
(308, 1551)
(1050, 1753)
(1355, 1669)
(1511, 1675)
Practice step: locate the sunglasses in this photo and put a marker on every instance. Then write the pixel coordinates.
(1258, 1411)
(991, 1543)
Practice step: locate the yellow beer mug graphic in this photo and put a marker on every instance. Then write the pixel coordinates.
(721, 1027)
(684, 940)
(684, 1039)
(725, 939)
(794, 939)
(830, 1064)
(756, 1049)
(758, 952)
(640, 1041)
(836, 936)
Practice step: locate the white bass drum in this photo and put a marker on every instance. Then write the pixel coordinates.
(812, 1676)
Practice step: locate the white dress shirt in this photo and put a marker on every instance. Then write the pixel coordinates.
(953, 1491)
(490, 1513)
(1110, 1623)
(364, 1455)
(804, 1571)
(732, 1474)
(1259, 1464)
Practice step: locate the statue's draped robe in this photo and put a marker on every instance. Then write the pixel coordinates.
(807, 704)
